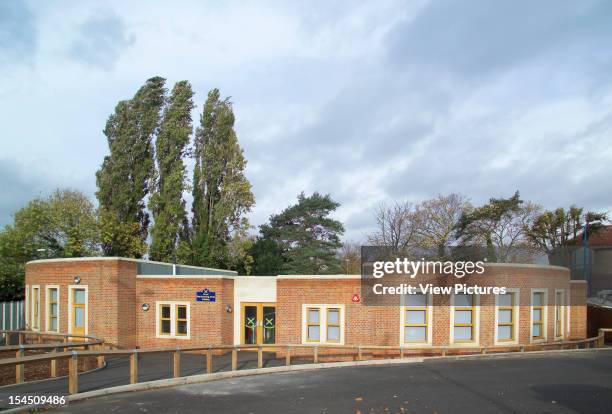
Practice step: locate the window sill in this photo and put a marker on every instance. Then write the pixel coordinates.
(464, 345)
(172, 337)
(416, 345)
(506, 343)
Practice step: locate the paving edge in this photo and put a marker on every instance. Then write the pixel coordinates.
(202, 378)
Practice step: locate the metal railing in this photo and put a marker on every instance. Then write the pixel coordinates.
(357, 352)
(12, 315)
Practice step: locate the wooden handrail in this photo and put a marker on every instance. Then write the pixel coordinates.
(34, 358)
(20, 360)
(87, 340)
(433, 349)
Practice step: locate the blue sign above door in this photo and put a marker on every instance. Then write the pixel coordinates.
(206, 296)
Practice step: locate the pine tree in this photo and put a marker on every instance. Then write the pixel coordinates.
(124, 180)
(308, 238)
(221, 192)
(166, 203)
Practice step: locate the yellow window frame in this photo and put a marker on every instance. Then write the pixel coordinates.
(162, 319)
(36, 308)
(472, 309)
(558, 314)
(50, 303)
(539, 322)
(327, 325)
(512, 309)
(423, 309)
(310, 323)
(185, 319)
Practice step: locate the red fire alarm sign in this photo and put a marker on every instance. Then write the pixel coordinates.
(356, 298)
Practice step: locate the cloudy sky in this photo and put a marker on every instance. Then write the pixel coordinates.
(368, 101)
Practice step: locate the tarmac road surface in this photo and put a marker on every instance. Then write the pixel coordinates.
(570, 382)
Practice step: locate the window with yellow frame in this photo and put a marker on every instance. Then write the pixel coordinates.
(559, 314)
(52, 310)
(181, 320)
(463, 322)
(35, 308)
(333, 325)
(313, 325)
(415, 318)
(506, 317)
(537, 315)
(173, 320)
(165, 320)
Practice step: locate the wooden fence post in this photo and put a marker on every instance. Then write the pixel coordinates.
(86, 359)
(73, 374)
(134, 367)
(260, 357)
(54, 364)
(315, 358)
(209, 357)
(20, 338)
(100, 357)
(234, 359)
(177, 363)
(19, 368)
(288, 357)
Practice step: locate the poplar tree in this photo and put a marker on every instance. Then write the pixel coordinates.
(221, 192)
(124, 180)
(166, 203)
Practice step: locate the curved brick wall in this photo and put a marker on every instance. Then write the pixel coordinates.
(380, 325)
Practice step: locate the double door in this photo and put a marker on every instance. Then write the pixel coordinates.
(258, 323)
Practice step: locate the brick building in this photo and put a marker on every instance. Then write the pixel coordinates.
(137, 303)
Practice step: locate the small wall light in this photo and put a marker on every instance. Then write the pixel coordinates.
(145, 307)
(228, 309)
(77, 279)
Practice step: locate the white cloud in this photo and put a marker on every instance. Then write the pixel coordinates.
(367, 101)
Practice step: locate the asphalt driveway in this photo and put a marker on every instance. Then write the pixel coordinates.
(571, 382)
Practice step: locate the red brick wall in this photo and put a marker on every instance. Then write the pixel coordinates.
(578, 313)
(525, 278)
(108, 284)
(379, 325)
(210, 323)
(372, 325)
(116, 296)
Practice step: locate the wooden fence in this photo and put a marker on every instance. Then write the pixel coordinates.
(84, 349)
